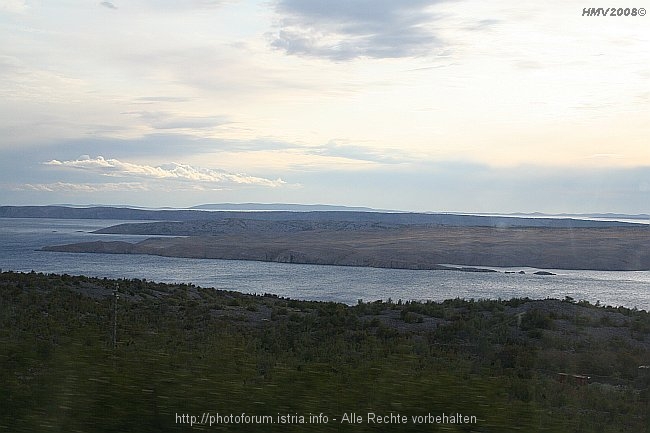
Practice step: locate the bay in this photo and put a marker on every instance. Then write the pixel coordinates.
(21, 239)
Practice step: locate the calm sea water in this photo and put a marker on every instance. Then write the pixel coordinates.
(20, 240)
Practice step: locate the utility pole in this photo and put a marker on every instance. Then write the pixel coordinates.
(116, 296)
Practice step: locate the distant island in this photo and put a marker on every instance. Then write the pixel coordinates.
(292, 207)
(385, 240)
(286, 212)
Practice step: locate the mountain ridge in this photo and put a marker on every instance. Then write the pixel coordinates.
(399, 218)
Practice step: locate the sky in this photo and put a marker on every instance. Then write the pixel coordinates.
(420, 105)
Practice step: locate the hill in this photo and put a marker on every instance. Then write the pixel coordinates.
(384, 245)
(371, 217)
(182, 351)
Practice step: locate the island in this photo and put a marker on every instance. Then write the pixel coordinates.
(399, 241)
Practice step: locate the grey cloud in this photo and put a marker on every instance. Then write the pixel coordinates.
(154, 99)
(108, 5)
(82, 187)
(184, 4)
(342, 149)
(163, 120)
(11, 65)
(483, 24)
(348, 29)
(180, 144)
(466, 187)
(165, 144)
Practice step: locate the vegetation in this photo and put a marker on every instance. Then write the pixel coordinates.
(182, 349)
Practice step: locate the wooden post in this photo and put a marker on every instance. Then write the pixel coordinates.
(116, 296)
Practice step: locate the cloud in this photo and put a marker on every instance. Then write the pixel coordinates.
(349, 29)
(166, 145)
(154, 99)
(343, 149)
(14, 6)
(484, 24)
(447, 186)
(173, 171)
(528, 64)
(82, 187)
(163, 120)
(108, 5)
(183, 4)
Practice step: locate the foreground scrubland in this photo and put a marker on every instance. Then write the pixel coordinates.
(188, 350)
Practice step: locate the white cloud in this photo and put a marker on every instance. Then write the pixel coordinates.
(14, 6)
(81, 187)
(173, 171)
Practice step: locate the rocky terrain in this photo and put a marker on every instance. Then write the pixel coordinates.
(387, 245)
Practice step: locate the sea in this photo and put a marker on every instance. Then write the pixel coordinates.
(22, 238)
